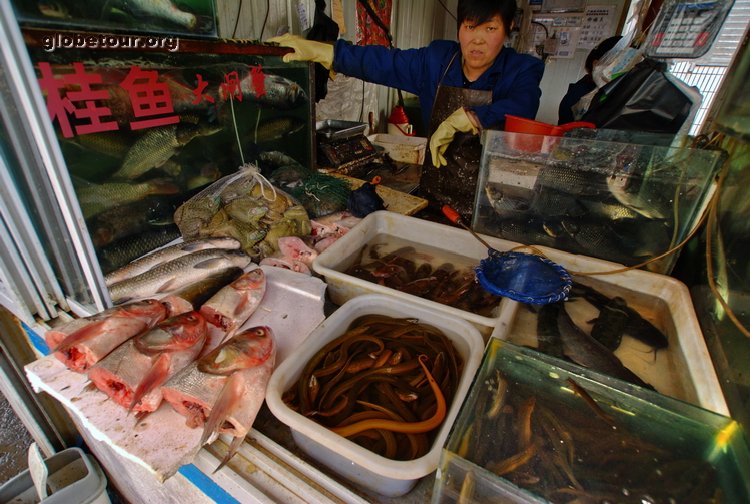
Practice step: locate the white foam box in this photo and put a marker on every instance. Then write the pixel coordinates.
(683, 370)
(360, 466)
(406, 149)
(346, 251)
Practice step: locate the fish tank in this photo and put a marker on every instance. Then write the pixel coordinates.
(537, 430)
(142, 131)
(187, 18)
(620, 201)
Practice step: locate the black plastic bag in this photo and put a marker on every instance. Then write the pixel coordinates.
(644, 99)
(324, 29)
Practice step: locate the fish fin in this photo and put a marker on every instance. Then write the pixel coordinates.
(213, 263)
(241, 306)
(167, 286)
(233, 447)
(84, 333)
(228, 400)
(155, 377)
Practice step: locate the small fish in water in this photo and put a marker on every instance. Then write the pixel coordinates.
(83, 342)
(130, 219)
(157, 145)
(276, 128)
(587, 352)
(166, 254)
(610, 325)
(192, 297)
(132, 374)
(96, 198)
(637, 326)
(125, 250)
(177, 273)
(223, 390)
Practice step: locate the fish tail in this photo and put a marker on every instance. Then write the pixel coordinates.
(228, 400)
(233, 447)
(155, 377)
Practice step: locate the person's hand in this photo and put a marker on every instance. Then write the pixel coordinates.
(443, 136)
(305, 50)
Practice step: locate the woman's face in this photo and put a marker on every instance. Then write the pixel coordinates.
(480, 45)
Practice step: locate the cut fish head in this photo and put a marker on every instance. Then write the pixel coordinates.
(176, 333)
(244, 350)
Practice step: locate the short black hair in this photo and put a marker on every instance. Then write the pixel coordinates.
(600, 50)
(481, 11)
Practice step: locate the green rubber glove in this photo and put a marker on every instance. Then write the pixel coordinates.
(443, 136)
(305, 50)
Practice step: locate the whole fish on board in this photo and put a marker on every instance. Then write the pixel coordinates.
(192, 297)
(97, 198)
(229, 308)
(177, 273)
(83, 342)
(168, 253)
(157, 145)
(131, 375)
(223, 390)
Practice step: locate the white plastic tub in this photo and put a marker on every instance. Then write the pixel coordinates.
(683, 370)
(346, 251)
(364, 468)
(406, 149)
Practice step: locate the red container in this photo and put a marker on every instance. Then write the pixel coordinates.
(529, 143)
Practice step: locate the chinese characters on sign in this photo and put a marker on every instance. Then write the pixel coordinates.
(84, 96)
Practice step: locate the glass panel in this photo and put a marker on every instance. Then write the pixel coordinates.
(143, 131)
(185, 17)
(34, 211)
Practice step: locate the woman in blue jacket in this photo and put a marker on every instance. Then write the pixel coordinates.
(462, 87)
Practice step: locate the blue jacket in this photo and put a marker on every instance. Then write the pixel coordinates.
(513, 78)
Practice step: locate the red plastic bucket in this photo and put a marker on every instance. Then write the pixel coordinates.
(533, 140)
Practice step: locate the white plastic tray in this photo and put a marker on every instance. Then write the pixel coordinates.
(337, 258)
(292, 307)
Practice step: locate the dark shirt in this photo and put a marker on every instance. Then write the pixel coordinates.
(513, 78)
(576, 91)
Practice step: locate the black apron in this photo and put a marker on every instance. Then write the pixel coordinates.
(454, 184)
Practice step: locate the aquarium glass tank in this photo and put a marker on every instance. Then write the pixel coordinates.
(537, 430)
(188, 18)
(143, 131)
(624, 202)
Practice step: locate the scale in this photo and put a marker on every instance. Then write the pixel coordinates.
(342, 146)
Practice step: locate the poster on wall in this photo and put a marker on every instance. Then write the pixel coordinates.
(598, 23)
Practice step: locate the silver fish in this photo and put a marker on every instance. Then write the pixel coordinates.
(165, 9)
(177, 273)
(169, 253)
(122, 251)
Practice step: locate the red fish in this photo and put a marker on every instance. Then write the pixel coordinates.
(84, 342)
(229, 308)
(223, 390)
(132, 374)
